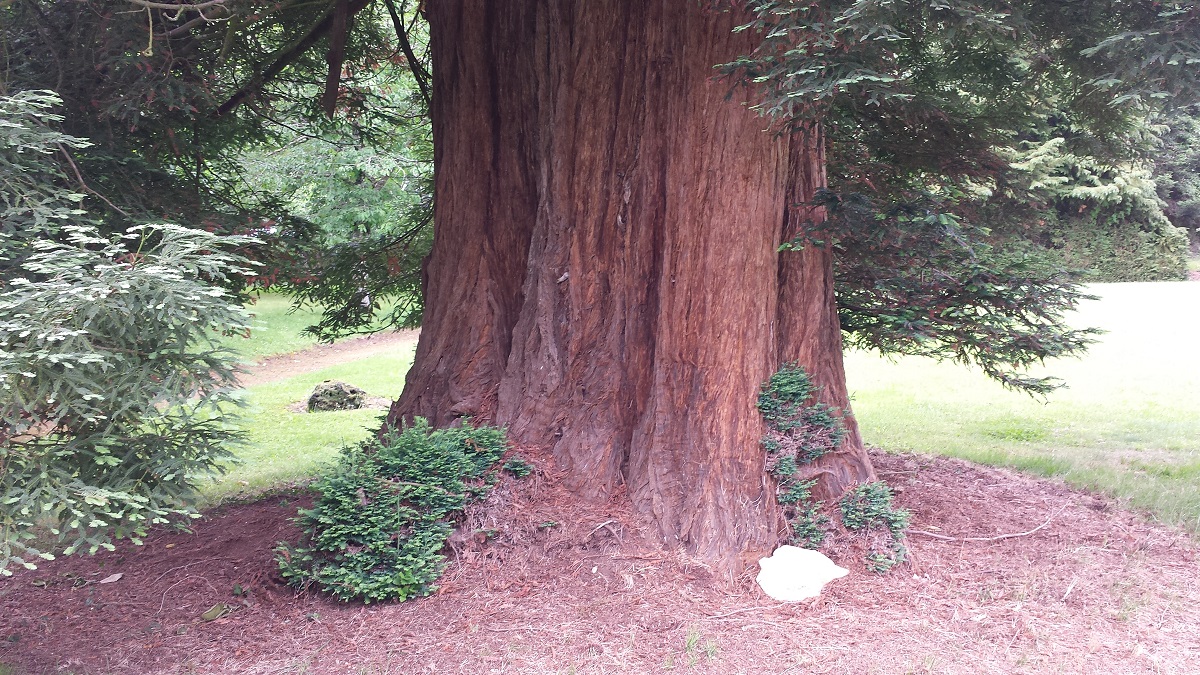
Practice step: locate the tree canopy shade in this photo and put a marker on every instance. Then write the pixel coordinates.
(643, 208)
(175, 95)
(606, 275)
(1178, 168)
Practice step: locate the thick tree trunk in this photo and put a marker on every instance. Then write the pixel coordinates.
(808, 329)
(485, 172)
(605, 276)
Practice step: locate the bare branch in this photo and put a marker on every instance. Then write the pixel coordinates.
(84, 185)
(285, 56)
(336, 55)
(414, 64)
(996, 538)
(178, 7)
(192, 23)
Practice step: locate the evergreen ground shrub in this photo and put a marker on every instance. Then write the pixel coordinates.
(386, 510)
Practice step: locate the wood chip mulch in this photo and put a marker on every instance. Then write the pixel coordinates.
(564, 587)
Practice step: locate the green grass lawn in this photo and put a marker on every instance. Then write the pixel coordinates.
(286, 446)
(1129, 424)
(275, 328)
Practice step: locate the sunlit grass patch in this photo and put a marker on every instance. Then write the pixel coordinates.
(1128, 425)
(276, 328)
(287, 446)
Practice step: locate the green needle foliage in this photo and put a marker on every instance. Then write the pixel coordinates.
(799, 431)
(243, 117)
(114, 386)
(869, 507)
(385, 511)
(915, 278)
(33, 205)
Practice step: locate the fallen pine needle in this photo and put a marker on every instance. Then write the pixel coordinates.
(1070, 588)
(744, 609)
(608, 524)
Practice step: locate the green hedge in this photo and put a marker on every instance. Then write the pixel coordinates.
(1124, 252)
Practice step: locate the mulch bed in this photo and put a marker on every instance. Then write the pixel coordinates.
(1098, 589)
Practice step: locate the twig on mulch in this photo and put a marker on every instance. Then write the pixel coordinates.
(744, 609)
(608, 524)
(191, 564)
(1069, 589)
(508, 629)
(995, 538)
(163, 604)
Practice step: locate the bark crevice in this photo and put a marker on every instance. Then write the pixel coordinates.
(605, 276)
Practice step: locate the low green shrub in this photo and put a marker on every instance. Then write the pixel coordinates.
(869, 507)
(518, 467)
(799, 430)
(386, 510)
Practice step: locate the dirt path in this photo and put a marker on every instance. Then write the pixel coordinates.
(283, 366)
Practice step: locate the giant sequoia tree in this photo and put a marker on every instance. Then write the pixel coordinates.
(643, 209)
(606, 276)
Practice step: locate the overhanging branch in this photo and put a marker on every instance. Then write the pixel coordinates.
(414, 64)
(336, 56)
(180, 7)
(288, 54)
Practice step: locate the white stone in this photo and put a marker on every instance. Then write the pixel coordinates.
(793, 574)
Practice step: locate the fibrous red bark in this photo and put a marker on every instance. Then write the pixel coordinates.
(605, 276)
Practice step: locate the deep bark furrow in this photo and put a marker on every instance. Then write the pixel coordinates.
(482, 151)
(605, 277)
(808, 329)
(567, 381)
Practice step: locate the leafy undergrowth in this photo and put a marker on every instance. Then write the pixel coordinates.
(538, 583)
(386, 510)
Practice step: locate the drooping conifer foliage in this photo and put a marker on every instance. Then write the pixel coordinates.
(174, 95)
(947, 236)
